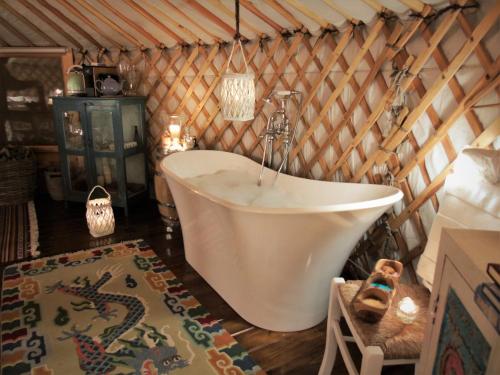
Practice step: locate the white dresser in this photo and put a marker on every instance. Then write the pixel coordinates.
(459, 337)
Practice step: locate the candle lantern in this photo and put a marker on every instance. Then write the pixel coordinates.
(176, 136)
(407, 310)
(100, 218)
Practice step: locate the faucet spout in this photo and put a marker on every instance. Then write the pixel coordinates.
(279, 128)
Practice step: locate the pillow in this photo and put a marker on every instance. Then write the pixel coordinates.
(475, 179)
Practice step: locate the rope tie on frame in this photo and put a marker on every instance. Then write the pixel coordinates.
(434, 16)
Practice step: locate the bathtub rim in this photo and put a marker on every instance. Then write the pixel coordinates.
(389, 199)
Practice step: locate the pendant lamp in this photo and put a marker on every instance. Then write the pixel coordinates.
(237, 89)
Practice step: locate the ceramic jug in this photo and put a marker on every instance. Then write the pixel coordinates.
(109, 86)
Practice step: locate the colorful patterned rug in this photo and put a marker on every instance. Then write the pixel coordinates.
(110, 310)
(18, 232)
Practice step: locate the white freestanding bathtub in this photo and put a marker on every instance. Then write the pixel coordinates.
(273, 265)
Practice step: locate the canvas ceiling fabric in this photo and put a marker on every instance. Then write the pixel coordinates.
(321, 13)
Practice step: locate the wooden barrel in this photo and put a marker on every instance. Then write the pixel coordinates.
(163, 195)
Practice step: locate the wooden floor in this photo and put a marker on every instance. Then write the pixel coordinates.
(64, 230)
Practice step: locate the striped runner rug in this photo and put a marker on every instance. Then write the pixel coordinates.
(18, 232)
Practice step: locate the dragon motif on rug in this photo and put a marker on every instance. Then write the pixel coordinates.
(149, 348)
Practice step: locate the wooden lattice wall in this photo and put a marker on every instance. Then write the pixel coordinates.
(345, 77)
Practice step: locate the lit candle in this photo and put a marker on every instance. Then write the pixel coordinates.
(407, 310)
(175, 132)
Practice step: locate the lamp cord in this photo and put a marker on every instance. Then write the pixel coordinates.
(237, 16)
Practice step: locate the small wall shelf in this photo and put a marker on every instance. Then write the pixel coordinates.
(101, 141)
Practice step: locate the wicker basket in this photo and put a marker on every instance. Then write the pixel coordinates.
(17, 180)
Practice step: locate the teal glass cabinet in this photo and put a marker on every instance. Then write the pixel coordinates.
(102, 142)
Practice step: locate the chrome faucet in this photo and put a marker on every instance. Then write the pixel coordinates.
(279, 128)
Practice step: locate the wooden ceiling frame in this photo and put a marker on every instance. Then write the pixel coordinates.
(6, 24)
(29, 23)
(72, 9)
(70, 23)
(50, 23)
(415, 5)
(212, 17)
(375, 5)
(338, 9)
(252, 8)
(214, 37)
(109, 22)
(297, 5)
(195, 38)
(144, 33)
(158, 24)
(285, 14)
(222, 8)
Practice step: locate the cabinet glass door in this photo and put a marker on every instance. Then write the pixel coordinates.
(73, 146)
(106, 173)
(135, 169)
(132, 125)
(101, 122)
(73, 131)
(77, 173)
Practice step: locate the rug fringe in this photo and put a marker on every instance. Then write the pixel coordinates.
(34, 234)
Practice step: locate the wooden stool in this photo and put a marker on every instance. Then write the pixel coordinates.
(385, 343)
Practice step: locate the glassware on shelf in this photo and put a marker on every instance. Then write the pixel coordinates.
(130, 75)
